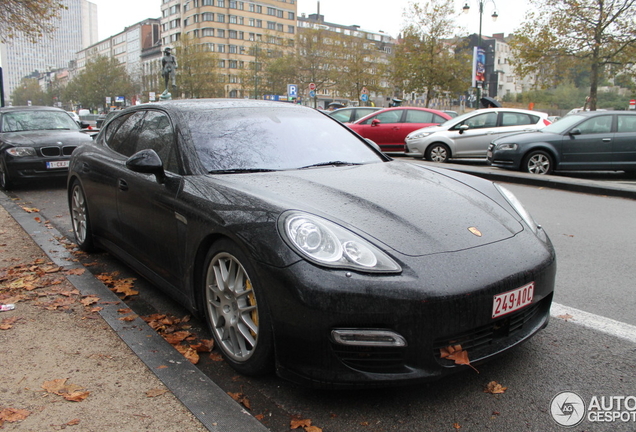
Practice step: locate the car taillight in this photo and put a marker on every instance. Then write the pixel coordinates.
(547, 122)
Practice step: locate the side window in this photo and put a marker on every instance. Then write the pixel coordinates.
(480, 121)
(342, 116)
(358, 114)
(438, 119)
(626, 123)
(113, 126)
(393, 116)
(123, 140)
(594, 125)
(157, 134)
(417, 116)
(515, 119)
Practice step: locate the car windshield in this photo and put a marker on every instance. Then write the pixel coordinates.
(19, 121)
(262, 138)
(457, 120)
(563, 124)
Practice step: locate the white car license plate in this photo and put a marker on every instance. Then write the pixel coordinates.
(512, 300)
(57, 164)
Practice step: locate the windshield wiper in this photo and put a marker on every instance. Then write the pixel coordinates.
(240, 170)
(332, 163)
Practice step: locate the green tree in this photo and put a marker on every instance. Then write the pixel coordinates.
(595, 33)
(197, 74)
(29, 90)
(28, 18)
(103, 77)
(427, 60)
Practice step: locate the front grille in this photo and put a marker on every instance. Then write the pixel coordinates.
(67, 150)
(371, 359)
(51, 151)
(478, 341)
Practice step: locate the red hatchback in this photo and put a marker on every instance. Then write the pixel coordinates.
(389, 127)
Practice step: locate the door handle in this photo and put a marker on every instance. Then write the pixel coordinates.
(607, 140)
(122, 185)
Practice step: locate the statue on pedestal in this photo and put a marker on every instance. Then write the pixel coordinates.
(169, 65)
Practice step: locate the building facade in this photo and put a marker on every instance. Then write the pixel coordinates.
(231, 29)
(76, 29)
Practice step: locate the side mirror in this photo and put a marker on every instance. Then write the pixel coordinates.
(147, 162)
(375, 122)
(575, 131)
(463, 128)
(84, 125)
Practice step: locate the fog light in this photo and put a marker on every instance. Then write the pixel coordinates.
(367, 337)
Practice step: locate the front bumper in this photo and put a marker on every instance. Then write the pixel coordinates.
(503, 158)
(430, 304)
(39, 166)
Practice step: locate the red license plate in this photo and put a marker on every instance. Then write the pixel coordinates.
(512, 300)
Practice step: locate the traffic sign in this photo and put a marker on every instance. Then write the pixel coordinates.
(312, 86)
(292, 90)
(312, 94)
(364, 97)
(364, 91)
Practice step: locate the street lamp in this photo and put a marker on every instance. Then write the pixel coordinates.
(494, 16)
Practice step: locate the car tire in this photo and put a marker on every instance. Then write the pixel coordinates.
(5, 181)
(79, 217)
(236, 310)
(538, 162)
(438, 152)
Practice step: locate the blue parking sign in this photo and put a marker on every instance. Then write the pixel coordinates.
(292, 90)
(364, 98)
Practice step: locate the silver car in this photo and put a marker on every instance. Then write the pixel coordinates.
(469, 135)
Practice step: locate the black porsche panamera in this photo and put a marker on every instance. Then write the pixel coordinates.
(307, 250)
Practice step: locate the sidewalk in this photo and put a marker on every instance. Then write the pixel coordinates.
(69, 360)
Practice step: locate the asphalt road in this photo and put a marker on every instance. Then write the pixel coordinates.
(594, 243)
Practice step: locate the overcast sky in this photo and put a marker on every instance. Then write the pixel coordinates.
(375, 15)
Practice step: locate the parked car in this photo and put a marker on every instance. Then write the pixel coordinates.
(74, 115)
(36, 142)
(351, 114)
(389, 127)
(588, 140)
(270, 221)
(89, 121)
(103, 118)
(468, 135)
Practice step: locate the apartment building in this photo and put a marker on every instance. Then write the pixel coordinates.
(76, 29)
(230, 28)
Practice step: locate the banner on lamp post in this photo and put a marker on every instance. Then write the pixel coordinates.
(479, 66)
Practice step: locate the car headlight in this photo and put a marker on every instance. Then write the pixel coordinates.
(418, 135)
(507, 146)
(21, 151)
(328, 244)
(519, 208)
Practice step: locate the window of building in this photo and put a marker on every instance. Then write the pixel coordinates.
(279, 13)
(279, 27)
(233, 49)
(220, 3)
(207, 16)
(290, 29)
(252, 37)
(271, 25)
(222, 63)
(220, 33)
(259, 23)
(233, 19)
(220, 18)
(233, 64)
(208, 31)
(220, 48)
(290, 15)
(208, 3)
(271, 11)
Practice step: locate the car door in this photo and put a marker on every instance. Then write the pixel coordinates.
(589, 144)
(382, 128)
(147, 208)
(624, 144)
(474, 141)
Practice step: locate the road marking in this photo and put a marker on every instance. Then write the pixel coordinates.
(595, 322)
